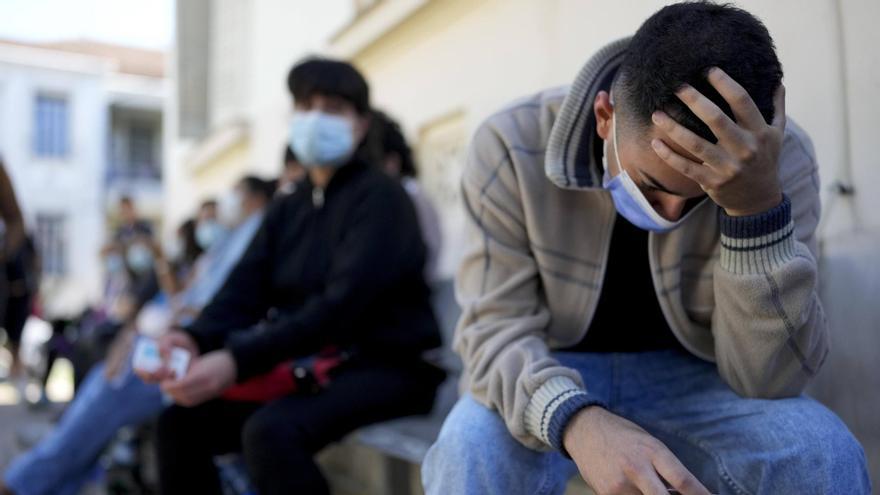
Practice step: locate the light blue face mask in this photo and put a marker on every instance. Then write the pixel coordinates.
(139, 258)
(207, 232)
(628, 198)
(321, 140)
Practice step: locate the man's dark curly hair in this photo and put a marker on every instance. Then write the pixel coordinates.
(678, 45)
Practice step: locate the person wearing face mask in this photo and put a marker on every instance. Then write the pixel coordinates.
(338, 263)
(639, 286)
(208, 227)
(111, 395)
(241, 212)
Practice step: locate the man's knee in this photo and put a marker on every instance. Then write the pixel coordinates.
(820, 453)
(470, 429)
(832, 453)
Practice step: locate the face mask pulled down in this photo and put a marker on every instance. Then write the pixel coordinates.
(629, 201)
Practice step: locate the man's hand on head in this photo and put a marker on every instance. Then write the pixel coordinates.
(207, 378)
(615, 456)
(741, 171)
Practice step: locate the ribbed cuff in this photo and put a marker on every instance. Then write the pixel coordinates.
(563, 415)
(759, 243)
(551, 408)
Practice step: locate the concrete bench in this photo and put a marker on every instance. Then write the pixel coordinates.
(404, 442)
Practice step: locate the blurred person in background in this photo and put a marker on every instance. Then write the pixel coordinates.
(338, 263)
(176, 262)
(131, 225)
(395, 159)
(208, 227)
(111, 396)
(12, 241)
(131, 283)
(639, 290)
(23, 272)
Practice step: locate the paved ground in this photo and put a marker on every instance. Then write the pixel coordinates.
(18, 419)
(14, 415)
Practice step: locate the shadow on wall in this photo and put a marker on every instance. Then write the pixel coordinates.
(850, 379)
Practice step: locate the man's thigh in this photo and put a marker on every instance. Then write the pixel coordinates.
(740, 445)
(475, 453)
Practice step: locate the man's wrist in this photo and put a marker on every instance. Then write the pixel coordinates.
(564, 417)
(757, 208)
(578, 423)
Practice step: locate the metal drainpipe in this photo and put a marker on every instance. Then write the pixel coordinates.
(841, 186)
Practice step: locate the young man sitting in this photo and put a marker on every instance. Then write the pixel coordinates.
(639, 293)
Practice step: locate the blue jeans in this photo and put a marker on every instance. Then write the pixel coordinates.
(61, 463)
(731, 444)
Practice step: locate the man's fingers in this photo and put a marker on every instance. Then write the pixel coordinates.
(648, 482)
(674, 472)
(687, 139)
(697, 172)
(721, 125)
(779, 108)
(744, 108)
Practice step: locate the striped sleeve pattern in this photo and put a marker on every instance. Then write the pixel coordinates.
(551, 408)
(757, 244)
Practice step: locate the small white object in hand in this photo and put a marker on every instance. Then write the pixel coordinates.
(179, 362)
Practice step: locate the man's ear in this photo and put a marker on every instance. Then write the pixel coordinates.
(603, 109)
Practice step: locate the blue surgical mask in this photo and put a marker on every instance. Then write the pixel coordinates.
(207, 232)
(629, 201)
(174, 249)
(230, 210)
(139, 258)
(321, 140)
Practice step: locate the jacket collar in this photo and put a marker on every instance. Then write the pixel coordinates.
(355, 167)
(571, 149)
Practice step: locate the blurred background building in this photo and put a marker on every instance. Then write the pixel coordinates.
(80, 126)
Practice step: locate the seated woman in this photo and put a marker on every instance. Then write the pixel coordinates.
(339, 262)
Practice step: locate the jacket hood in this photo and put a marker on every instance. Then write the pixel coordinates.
(570, 151)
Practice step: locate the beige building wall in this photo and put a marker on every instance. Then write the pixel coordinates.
(245, 49)
(470, 57)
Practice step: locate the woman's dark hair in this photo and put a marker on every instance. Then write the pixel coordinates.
(678, 45)
(259, 187)
(330, 78)
(389, 139)
(289, 156)
(191, 248)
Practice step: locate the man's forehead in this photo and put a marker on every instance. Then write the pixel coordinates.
(636, 150)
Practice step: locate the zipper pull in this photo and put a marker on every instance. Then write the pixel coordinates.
(318, 197)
